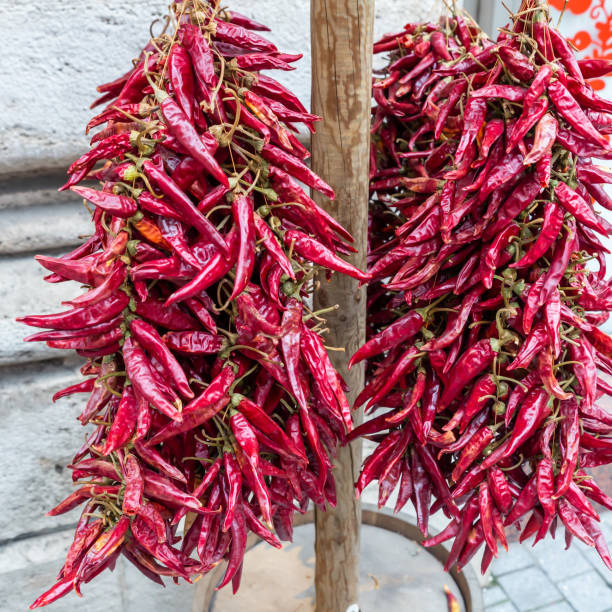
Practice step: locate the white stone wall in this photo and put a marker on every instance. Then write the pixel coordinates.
(54, 53)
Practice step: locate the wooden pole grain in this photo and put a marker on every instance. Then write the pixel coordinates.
(341, 34)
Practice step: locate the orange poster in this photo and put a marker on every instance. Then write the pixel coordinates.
(588, 24)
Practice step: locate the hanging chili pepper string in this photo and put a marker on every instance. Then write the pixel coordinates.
(211, 392)
(508, 345)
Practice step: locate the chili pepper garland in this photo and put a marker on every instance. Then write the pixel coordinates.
(211, 391)
(484, 358)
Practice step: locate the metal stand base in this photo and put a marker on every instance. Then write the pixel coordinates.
(397, 574)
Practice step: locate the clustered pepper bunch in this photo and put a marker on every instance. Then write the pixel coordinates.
(484, 357)
(211, 390)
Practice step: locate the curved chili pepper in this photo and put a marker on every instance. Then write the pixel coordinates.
(553, 220)
(493, 130)
(472, 362)
(208, 480)
(388, 378)
(415, 395)
(105, 289)
(247, 441)
(474, 117)
(161, 488)
(153, 458)
(478, 442)
(213, 270)
(181, 128)
(107, 149)
(265, 234)
(147, 335)
(290, 191)
(242, 209)
(314, 251)
(134, 486)
(184, 206)
(534, 410)
(517, 64)
(78, 318)
(201, 409)
(544, 139)
(139, 372)
(438, 43)
(296, 168)
(85, 386)
(201, 55)
(82, 270)
(117, 205)
(447, 108)
(395, 334)
(181, 77)
(534, 343)
(520, 198)
(561, 256)
(374, 463)
(491, 257)
(577, 206)
(237, 33)
(531, 115)
(124, 422)
(193, 342)
(570, 110)
(508, 169)
(174, 233)
(572, 522)
(477, 399)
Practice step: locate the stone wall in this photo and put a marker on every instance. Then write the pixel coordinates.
(54, 54)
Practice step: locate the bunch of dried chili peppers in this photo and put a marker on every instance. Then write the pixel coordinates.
(211, 391)
(485, 363)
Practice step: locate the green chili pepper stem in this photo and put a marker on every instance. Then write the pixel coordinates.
(286, 404)
(110, 375)
(315, 314)
(567, 339)
(513, 380)
(111, 391)
(202, 459)
(560, 365)
(239, 380)
(515, 466)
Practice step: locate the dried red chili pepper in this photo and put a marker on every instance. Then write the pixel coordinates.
(571, 111)
(472, 363)
(314, 251)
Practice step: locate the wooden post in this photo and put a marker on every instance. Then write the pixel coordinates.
(341, 33)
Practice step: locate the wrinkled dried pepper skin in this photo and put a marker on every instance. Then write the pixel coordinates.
(484, 221)
(211, 391)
